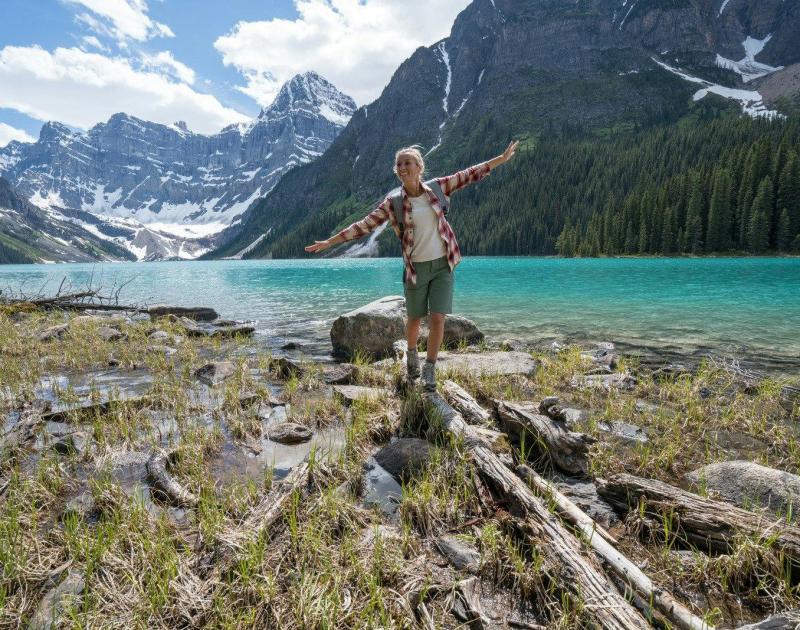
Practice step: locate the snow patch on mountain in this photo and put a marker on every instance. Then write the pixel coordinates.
(751, 101)
(748, 67)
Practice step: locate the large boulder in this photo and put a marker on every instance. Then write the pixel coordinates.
(375, 327)
(748, 485)
(371, 329)
(404, 457)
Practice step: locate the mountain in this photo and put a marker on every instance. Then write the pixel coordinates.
(176, 185)
(535, 70)
(31, 234)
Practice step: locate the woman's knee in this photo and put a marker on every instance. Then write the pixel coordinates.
(436, 319)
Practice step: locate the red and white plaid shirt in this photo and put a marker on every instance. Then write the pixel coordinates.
(384, 212)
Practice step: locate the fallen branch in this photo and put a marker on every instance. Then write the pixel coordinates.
(566, 449)
(707, 524)
(465, 404)
(175, 491)
(579, 575)
(601, 541)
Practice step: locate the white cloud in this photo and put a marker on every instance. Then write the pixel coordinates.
(9, 133)
(166, 62)
(121, 19)
(90, 41)
(81, 88)
(356, 44)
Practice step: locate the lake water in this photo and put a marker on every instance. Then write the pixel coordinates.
(738, 307)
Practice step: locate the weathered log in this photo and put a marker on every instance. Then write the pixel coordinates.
(579, 575)
(566, 449)
(709, 525)
(465, 603)
(602, 542)
(166, 483)
(472, 412)
(30, 416)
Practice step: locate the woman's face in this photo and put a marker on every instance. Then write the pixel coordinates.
(407, 168)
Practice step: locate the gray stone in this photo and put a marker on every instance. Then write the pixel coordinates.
(387, 534)
(54, 332)
(624, 431)
(605, 382)
(285, 367)
(76, 442)
(462, 555)
(289, 433)
(352, 393)
(789, 620)
(487, 363)
(343, 374)
(457, 330)
(601, 357)
(167, 351)
(59, 429)
(642, 406)
(749, 485)
(81, 506)
(404, 457)
(573, 417)
(372, 328)
(52, 605)
(583, 493)
(215, 372)
(197, 313)
(107, 333)
(159, 335)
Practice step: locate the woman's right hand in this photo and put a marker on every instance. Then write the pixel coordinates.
(318, 246)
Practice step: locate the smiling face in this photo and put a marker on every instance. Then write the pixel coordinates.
(407, 168)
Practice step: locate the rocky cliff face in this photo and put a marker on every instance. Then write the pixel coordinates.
(32, 234)
(169, 179)
(530, 66)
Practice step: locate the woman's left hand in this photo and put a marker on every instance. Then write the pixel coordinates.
(510, 149)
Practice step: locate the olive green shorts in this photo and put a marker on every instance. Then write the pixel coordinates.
(433, 292)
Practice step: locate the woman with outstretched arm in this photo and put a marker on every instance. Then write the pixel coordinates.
(430, 250)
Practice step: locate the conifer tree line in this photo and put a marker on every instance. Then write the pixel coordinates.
(711, 182)
(740, 194)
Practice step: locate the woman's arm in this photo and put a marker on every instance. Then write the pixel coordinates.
(358, 229)
(476, 173)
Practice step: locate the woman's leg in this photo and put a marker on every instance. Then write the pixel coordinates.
(412, 331)
(435, 335)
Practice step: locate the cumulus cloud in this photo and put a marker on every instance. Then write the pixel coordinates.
(9, 133)
(356, 44)
(164, 61)
(81, 88)
(121, 19)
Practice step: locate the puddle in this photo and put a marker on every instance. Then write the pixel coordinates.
(92, 387)
(381, 490)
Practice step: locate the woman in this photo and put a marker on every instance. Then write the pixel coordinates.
(430, 250)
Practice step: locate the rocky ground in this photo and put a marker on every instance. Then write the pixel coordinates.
(160, 471)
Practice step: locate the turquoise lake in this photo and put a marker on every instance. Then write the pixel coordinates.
(747, 308)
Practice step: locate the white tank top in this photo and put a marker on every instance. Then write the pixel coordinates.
(428, 243)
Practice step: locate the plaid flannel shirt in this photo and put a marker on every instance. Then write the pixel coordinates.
(384, 212)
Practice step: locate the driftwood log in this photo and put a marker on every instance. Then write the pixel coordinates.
(566, 449)
(465, 404)
(707, 524)
(30, 416)
(601, 541)
(160, 477)
(579, 575)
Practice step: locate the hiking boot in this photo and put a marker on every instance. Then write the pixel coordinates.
(429, 376)
(412, 365)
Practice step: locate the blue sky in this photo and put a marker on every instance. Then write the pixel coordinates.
(208, 63)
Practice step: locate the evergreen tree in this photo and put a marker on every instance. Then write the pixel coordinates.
(718, 235)
(758, 230)
(694, 217)
(784, 235)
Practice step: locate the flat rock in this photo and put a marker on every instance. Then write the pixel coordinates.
(289, 433)
(53, 603)
(351, 393)
(749, 485)
(484, 363)
(343, 374)
(197, 313)
(404, 457)
(602, 357)
(624, 431)
(573, 417)
(462, 555)
(285, 367)
(383, 533)
(372, 328)
(215, 372)
(54, 332)
(76, 442)
(167, 351)
(606, 382)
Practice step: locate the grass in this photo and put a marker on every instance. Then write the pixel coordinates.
(330, 562)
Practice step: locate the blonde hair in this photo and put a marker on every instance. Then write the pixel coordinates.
(414, 152)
